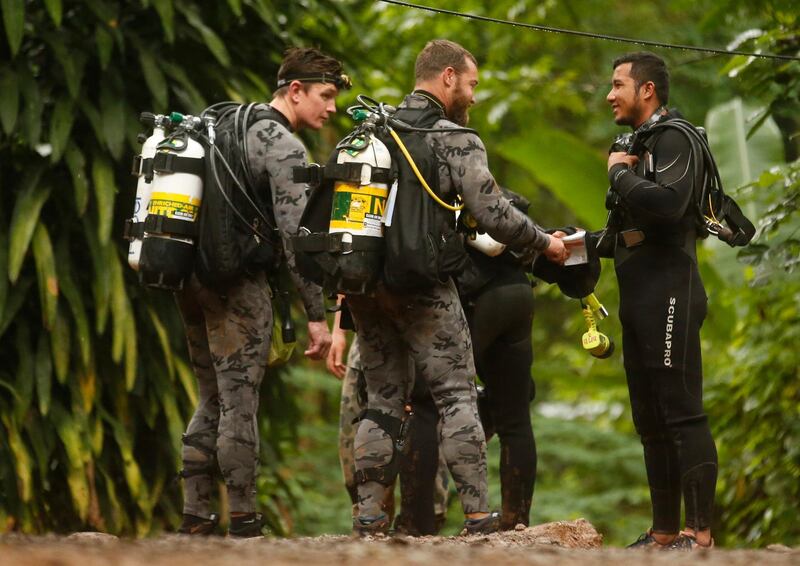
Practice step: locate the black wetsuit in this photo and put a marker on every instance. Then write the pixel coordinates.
(498, 302)
(662, 307)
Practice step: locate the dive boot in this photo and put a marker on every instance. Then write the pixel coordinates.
(371, 526)
(199, 526)
(246, 526)
(489, 524)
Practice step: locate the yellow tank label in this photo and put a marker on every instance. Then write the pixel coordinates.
(358, 210)
(173, 205)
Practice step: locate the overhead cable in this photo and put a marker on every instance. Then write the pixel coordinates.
(592, 35)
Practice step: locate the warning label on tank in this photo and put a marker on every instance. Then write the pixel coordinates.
(174, 205)
(358, 210)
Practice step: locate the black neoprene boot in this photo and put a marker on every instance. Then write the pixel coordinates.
(246, 526)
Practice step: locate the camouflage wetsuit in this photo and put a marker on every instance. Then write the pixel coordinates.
(229, 333)
(353, 402)
(432, 328)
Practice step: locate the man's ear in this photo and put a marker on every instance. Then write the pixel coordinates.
(449, 76)
(647, 90)
(295, 88)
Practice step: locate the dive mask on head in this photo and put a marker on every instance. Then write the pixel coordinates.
(341, 81)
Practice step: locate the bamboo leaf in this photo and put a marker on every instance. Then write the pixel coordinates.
(46, 271)
(96, 435)
(120, 308)
(69, 431)
(112, 113)
(104, 190)
(60, 345)
(60, 127)
(25, 372)
(163, 339)
(166, 12)
(9, 99)
(14, 22)
(80, 184)
(210, 38)
(105, 45)
(44, 373)
(175, 424)
(101, 282)
(42, 440)
(154, 77)
(32, 106)
(67, 61)
(75, 301)
(236, 7)
(3, 263)
(24, 218)
(54, 8)
(22, 461)
(87, 385)
(133, 475)
(189, 95)
(130, 352)
(93, 115)
(14, 302)
(188, 380)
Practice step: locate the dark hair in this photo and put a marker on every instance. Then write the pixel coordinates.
(307, 61)
(437, 55)
(646, 66)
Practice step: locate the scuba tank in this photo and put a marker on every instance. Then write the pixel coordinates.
(170, 226)
(359, 207)
(143, 169)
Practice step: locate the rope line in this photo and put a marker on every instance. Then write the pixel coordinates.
(592, 35)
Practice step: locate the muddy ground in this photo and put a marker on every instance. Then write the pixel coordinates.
(562, 543)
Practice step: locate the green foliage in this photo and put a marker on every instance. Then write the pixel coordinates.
(756, 402)
(742, 157)
(95, 387)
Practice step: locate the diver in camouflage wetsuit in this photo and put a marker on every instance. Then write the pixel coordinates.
(229, 330)
(422, 469)
(430, 326)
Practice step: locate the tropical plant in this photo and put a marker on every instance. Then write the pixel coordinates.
(95, 383)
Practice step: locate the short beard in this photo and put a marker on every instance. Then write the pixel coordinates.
(459, 111)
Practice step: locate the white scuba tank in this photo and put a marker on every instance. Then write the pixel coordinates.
(144, 187)
(359, 209)
(177, 195)
(167, 249)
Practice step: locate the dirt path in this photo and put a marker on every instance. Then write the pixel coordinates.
(568, 543)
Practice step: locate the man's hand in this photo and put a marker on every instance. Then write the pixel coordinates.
(556, 251)
(335, 360)
(622, 157)
(319, 340)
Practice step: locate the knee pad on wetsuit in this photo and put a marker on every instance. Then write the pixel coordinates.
(392, 427)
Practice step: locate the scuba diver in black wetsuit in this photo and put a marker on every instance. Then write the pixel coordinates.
(498, 302)
(662, 303)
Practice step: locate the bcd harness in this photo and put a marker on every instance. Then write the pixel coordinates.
(715, 212)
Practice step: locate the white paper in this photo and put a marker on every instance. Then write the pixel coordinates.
(576, 244)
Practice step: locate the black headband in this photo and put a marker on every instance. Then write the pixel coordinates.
(341, 81)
